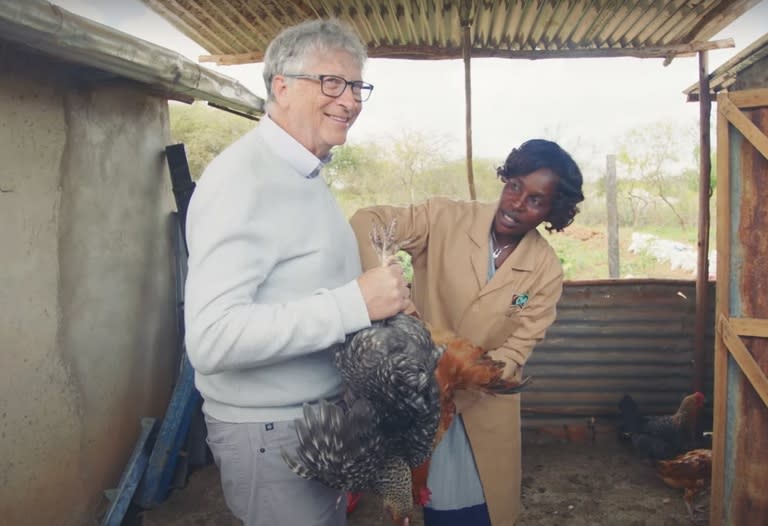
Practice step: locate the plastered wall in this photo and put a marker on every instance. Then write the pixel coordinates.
(87, 343)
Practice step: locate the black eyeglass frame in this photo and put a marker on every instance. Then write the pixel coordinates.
(362, 94)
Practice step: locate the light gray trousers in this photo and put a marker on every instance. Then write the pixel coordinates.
(259, 487)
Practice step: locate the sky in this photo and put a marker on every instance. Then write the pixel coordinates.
(585, 104)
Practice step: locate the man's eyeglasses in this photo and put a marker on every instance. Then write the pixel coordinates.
(334, 86)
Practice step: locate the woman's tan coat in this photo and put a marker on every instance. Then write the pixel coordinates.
(449, 244)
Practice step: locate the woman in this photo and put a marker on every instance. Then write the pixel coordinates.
(484, 271)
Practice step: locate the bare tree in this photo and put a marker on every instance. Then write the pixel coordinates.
(414, 155)
(652, 155)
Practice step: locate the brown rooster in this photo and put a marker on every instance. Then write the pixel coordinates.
(462, 366)
(690, 471)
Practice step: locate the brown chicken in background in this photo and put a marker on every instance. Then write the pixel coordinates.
(690, 471)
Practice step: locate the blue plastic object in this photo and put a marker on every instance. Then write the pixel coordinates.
(173, 432)
(132, 474)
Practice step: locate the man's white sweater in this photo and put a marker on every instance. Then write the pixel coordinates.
(272, 280)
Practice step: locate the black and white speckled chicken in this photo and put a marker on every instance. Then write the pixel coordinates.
(392, 365)
(399, 387)
(394, 409)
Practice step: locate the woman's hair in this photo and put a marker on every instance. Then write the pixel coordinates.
(536, 154)
(290, 50)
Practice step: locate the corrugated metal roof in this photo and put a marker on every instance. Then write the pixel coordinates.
(59, 33)
(238, 31)
(611, 338)
(724, 76)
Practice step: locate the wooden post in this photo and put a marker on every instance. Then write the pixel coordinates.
(705, 191)
(467, 49)
(611, 192)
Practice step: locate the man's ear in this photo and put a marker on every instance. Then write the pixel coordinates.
(280, 88)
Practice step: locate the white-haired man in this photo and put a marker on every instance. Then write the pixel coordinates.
(275, 279)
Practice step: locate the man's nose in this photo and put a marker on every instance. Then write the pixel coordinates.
(347, 97)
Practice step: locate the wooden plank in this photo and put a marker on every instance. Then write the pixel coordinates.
(750, 98)
(744, 358)
(723, 213)
(720, 388)
(747, 128)
(754, 327)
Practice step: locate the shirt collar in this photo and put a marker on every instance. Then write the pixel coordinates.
(523, 257)
(291, 150)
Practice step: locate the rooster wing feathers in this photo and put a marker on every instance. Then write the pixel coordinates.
(392, 365)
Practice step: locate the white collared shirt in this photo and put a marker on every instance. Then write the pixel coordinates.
(291, 150)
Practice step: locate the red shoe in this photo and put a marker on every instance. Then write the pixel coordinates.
(353, 498)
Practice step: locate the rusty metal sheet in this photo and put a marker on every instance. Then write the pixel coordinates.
(746, 458)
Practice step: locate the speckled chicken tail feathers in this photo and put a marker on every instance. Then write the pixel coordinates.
(336, 448)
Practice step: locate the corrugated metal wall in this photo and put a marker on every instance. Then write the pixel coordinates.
(612, 338)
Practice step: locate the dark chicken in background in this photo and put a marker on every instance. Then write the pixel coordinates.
(400, 378)
(674, 444)
(662, 437)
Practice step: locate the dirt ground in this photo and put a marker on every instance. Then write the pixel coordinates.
(574, 484)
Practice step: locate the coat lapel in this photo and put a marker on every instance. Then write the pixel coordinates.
(478, 233)
(521, 260)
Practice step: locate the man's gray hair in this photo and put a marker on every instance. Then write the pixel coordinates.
(292, 47)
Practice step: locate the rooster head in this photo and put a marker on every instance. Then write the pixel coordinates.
(692, 403)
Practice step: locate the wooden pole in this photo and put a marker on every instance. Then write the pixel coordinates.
(705, 191)
(466, 27)
(723, 301)
(613, 217)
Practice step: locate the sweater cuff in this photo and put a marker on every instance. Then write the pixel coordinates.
(354, 313)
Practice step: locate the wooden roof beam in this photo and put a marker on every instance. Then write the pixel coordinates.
(440, 53)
